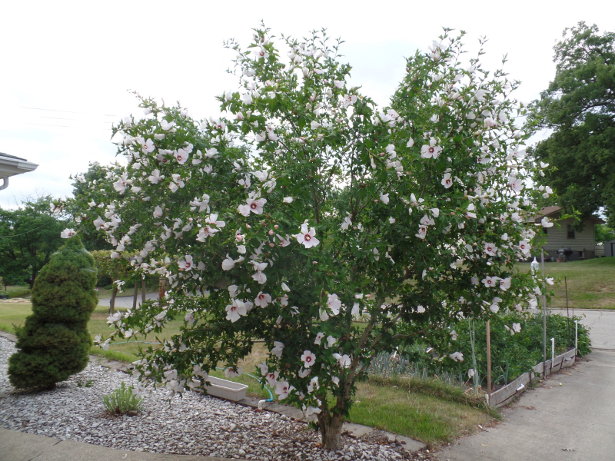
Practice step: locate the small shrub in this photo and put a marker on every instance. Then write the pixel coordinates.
(54, 342)
(122, 401)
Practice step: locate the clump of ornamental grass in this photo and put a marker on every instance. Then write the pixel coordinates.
(122, 401)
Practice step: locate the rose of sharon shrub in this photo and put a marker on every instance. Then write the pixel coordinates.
(305, 206)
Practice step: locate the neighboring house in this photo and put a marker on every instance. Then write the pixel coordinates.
(568, 239)
(11, 166)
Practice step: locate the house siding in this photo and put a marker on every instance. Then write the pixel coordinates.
(583, 245)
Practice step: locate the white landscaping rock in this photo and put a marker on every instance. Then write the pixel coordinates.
(193, 424)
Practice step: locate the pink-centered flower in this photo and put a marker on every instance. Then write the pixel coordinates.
(447, 180)
(490, 281)
(262, 299)
(431, 150)
(307, 237)
(253, 205)
(308, 358)
(67, 233)
(490, 249)
(235, 310)
(185, 263)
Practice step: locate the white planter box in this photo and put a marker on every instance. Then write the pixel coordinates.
(226, 389)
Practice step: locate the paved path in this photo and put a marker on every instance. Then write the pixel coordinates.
(126, 301)
(601, 324)
(20, 446)
(570, 417)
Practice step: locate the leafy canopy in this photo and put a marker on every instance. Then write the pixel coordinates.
(579, 106)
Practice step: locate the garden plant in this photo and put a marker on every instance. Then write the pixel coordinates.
(306, 206)
(54, 342)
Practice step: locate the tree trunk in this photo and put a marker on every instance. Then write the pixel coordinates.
(162, 285)
(136, 295)
(112, 300)
(143, 289)
(330, 427)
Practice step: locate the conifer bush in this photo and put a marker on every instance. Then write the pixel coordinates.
(54, 342)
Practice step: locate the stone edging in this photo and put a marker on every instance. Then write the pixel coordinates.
(514, 388)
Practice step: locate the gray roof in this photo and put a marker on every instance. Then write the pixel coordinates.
(11, 165)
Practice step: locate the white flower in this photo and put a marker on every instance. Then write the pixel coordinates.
(67, 233)
(422, 233)
(456, 356)
(260, 277)
(505, 283)
(181, 156)
(334, 303)
(288, 199)
(346, 223)
(344, 361)
(121, 184)
(447, 181)
(525, 247)
(307, 237)
(253, 205)
(516, 327)
(228, 263)
(489, 281)
(277, 349)
(282, 388)
(157, 212)
(384, 198)
(410, 142)
(285, 287)
(471, 373)
(147, 146)
(490, 249)
(185, 263)
(545, 222)
(262, 299)
(431, 150)
(319, 337)
(420, 309)
(330, 341)
(235, 310)
(155, 177)
(308, 358)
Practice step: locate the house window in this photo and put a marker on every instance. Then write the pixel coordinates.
(570, 231)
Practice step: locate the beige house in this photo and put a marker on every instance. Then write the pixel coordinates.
(567, 239)
(11, 166)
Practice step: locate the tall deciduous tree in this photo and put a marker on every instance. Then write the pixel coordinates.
(28, 238)
(306, 206)
(579, 106)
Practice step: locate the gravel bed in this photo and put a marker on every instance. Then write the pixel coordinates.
(193, 424)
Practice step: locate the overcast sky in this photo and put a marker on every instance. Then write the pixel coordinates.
(66, 66)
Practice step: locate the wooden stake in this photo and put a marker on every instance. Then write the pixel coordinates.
(488, 357)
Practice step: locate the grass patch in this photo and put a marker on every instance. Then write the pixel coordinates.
(590, 283)
(432, 413)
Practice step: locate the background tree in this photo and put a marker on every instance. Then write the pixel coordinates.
(28, 238)
(54, 342)
(579, 108)
(306, 206)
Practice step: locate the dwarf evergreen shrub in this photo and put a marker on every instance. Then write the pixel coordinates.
(54, 342)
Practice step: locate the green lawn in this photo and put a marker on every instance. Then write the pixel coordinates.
(427, 413)
(591, 283)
